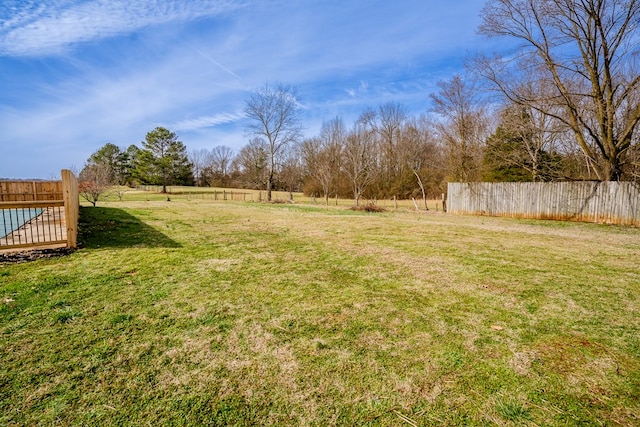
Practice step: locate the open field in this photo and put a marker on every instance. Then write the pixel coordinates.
(195, 312)
(218, 194)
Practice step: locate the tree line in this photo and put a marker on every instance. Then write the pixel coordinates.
(563, 105)
(162, 160)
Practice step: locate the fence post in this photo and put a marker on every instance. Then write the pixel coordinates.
(71, 206)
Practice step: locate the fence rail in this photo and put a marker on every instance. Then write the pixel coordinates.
(35, 219)
(602, 202)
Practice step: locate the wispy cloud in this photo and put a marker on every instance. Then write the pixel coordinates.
(353, 92)
(79, 73)
(207, 121)
(34, 29)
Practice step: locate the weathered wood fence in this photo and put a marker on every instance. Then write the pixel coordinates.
(39, 213)
(602, 202)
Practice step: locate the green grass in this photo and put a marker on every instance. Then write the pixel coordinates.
(193, 312)
(153, 193)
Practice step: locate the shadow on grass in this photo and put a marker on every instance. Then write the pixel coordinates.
(100, 227)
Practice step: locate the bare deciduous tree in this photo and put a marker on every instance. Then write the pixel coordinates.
(414, 150)
(587, 52)
(275, 116)
(94, 181)
(291, 170)
(462, 127)
(251, 163)
(359, 154)
(221, 158)
(390, 121)
(199, 159)
(323, 155)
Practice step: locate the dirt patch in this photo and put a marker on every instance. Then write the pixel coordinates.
(32, 255)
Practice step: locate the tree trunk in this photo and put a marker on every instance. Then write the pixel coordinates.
(424, 194)
(613, 169)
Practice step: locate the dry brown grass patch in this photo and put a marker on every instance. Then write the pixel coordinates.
(369, 207)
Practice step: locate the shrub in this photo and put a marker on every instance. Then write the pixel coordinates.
(369, 207)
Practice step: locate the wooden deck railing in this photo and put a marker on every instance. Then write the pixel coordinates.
(33, 219)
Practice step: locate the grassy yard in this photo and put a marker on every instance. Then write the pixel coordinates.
(234, 194)
(195, 312)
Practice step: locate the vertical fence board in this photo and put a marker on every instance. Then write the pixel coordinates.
(71, 206)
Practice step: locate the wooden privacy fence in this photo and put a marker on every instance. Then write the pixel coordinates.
(39, 213)
(602, 202)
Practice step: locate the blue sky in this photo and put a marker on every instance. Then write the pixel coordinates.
(77, 74)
